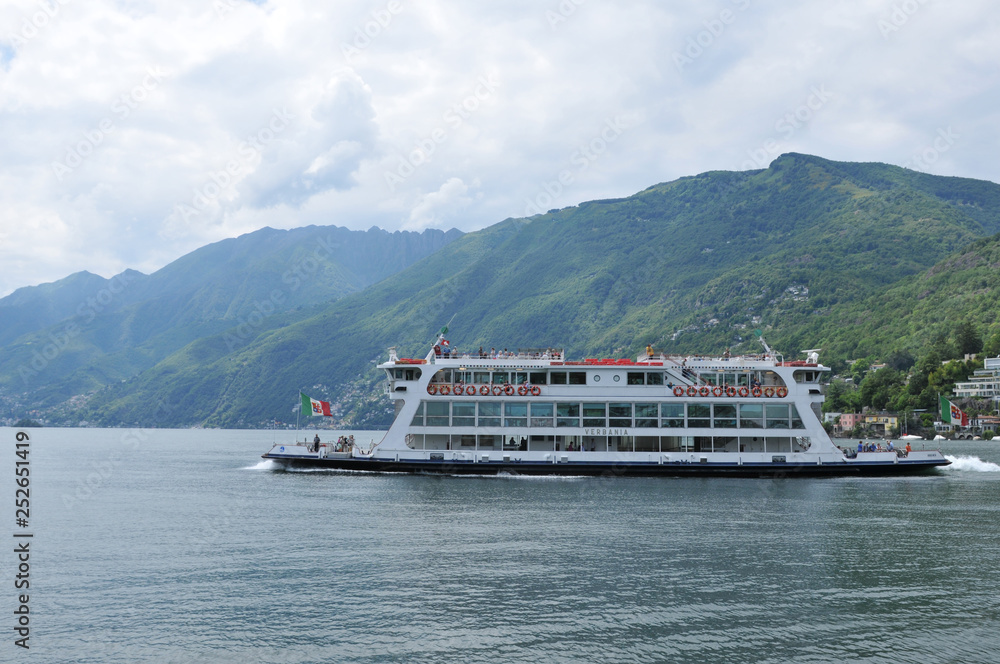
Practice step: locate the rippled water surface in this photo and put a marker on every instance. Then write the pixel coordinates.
(183, 546)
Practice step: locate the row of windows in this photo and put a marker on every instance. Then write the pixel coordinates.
(574, 414)
(469, 377)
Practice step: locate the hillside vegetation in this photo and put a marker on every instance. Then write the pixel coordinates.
(858, 259)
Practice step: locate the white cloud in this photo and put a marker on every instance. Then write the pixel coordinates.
(135, 133)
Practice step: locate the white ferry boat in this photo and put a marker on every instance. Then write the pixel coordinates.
(533, 412)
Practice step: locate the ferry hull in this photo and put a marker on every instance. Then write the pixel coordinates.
(616, 469)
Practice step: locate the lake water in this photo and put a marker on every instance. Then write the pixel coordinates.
(185, 546)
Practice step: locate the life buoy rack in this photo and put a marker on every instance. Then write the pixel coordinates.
(459, 390)
(730, 391)
(692, 391)
(717, 391)
(432, 389)
(703, 390)
(508, 389)
(743, 391)
(781, 392)
(446, 389)
(522, 390)
(484, 390)
(755, 391)
(497, 390)
(535, 390)
(678, 391)
(768, 391)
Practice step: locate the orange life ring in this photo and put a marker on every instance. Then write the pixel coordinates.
(535, 390)
(522, 390)
(484, 389)
(678, 391)
(432, 389)
(755, 391)
(692, 391)
(446, 389)
(497, 390)
(704, 390)
(782, 392)
(459, 390)
(768, 391)
(508, 389)
(743, 391)
(717, 391)
(730, 391)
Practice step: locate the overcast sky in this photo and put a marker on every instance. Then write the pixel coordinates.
(136, 131)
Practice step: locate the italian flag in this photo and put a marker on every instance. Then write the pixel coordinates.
(315, 406)
(952, 414)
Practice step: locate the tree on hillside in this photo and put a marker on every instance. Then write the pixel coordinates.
(900, 360)
(967, 338)
(992, 346)
(880, 387)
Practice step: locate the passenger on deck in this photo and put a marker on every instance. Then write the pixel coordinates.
(316, 443)
(861, 446)
(907, 448)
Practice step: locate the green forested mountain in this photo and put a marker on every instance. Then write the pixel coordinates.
(845, 256)
(68, 338)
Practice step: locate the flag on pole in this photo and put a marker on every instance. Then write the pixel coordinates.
(315, 406)
(952, 414)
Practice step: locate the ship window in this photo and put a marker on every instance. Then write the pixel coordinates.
(413, 374)
(646, 415)
(437, 413)
(777, 416)
(672, 414)
(796, 420)
(515, 414)
(568, 414)
(443, 376)
(537, 377)
(710, 378)
(482, 377)
(557, 378)
(595, 414)
(520, 378)
(751, 416)
(698, 415)
(489, 413)
(725, 415)
(654, 378)
(621, 414)
(577, 377)
(500, 378)
(635, 378)
(418, 418)
(541, 414)
(463, 414)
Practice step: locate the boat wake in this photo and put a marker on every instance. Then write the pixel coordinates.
(971, 464)
(266, 464)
